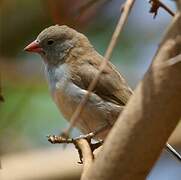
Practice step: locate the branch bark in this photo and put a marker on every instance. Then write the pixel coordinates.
(152, 113)
(86, 154)
(83, 146)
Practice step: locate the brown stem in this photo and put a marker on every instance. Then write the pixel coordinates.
(166, 8)
(156, 4)
(87, 155)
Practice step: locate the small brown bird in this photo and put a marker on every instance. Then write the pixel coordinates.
(71, 64)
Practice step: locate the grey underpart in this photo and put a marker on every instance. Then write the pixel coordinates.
(97, 112)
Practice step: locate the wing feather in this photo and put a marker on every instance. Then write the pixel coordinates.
(111, 85)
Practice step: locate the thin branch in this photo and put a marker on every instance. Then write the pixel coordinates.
(83, 145)
(156, 4)
(171, 62)
(172, 151)
(166, 8)
(125, 12)
(87, 155)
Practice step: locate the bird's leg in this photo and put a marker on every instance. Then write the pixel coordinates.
(92, 134)
(64, 139)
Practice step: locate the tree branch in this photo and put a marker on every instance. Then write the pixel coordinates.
(86, 154)
(83, 146)
(152, 113)
(125, 10)
(156, 4)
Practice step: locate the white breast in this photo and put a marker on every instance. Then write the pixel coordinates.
(58, 75)
(64, 92)
(67, 96)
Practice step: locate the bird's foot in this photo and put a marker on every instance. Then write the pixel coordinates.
(62, 140)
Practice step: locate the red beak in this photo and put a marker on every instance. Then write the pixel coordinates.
(34, 47)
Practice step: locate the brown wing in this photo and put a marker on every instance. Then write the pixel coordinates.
(111, 85)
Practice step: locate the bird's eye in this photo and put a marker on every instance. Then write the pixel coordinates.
(50, 42)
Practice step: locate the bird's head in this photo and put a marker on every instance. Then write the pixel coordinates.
(55, 42)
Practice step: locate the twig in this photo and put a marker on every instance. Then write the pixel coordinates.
(166, 8)
(59, 139)
(156, 4)
(171, 62)
(172, 151)
(124, 15)
(125, 9)
(87, 155)
(83, 145)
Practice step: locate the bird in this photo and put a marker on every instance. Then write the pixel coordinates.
(71, 63)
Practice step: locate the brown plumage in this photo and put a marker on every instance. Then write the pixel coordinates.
(111, 85)
(71, 64)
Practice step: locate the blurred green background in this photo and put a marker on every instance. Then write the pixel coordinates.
(28, 113)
